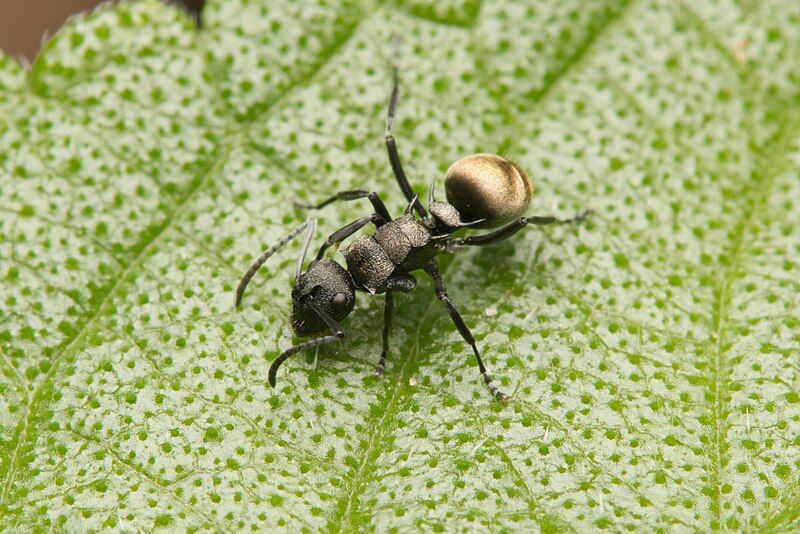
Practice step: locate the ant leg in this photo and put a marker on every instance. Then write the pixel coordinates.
(391, 147)
(348, 230)
(310, 223)
(441, 294)
(355, 194)
(388, 314)
(452, 245)
(541, 221)
(404, 283)
(337, 333)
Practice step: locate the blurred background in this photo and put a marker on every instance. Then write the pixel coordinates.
(24, 22)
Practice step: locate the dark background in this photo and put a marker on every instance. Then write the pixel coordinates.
(24, 22)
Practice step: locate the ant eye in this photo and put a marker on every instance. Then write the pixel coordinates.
(339, 300)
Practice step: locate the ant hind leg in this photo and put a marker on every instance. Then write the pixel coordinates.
(391, 146)
(441, 294)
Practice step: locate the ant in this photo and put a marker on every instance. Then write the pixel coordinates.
(483, 191)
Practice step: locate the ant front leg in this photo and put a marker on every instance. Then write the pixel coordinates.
(348, 230)
(400, 283)
(441, 294)
(388, 314)
(454, 244)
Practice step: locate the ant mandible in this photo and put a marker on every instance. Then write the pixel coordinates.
(483, 191)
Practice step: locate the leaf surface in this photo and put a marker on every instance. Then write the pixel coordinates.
(652, 353)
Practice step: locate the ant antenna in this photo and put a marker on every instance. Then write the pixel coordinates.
(265, 256)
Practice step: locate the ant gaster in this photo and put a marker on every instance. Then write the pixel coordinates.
(483, 191)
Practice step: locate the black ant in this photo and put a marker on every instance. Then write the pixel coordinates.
(483, 191)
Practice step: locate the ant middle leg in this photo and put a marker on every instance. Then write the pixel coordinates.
(355, 194)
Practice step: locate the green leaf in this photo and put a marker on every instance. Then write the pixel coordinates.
(652, 353)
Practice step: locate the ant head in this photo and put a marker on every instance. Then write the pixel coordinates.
(487, 190)
(330, 287)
